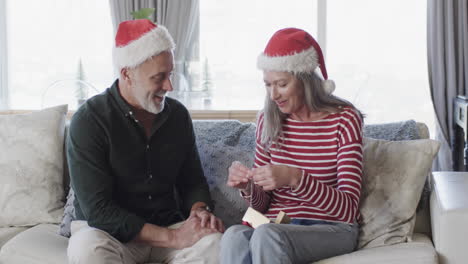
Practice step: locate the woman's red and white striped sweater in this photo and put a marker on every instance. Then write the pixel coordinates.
(329, 153)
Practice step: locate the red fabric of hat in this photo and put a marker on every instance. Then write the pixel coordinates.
(132, 30)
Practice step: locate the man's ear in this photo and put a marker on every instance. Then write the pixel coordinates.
(125, 75)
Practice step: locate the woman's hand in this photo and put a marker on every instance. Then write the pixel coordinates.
(238, 176)
(271, 177)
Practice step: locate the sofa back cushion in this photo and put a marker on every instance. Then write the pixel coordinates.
(220, 142)
(31, 167)
(393, 179)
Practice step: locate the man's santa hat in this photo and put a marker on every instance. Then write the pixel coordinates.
(138, 40)
(294, 50)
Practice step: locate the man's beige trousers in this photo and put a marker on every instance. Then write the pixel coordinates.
(89, 245)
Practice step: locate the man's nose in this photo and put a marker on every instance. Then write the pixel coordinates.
(167, 85)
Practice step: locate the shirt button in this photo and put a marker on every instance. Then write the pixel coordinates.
(149, 197)
(151, 176)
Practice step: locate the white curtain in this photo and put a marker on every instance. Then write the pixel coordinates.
(447, 35)
(3, 58)
(181, 18)
(120, 9)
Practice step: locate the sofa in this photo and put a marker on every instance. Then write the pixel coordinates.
(222, 141)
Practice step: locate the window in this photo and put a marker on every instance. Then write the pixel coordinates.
(232, 35)
(51, 43)
(375, 52)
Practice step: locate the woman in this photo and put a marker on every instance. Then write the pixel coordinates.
(308, 162)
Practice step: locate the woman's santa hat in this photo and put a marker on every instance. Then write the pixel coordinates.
(294, 50)
(138, 40)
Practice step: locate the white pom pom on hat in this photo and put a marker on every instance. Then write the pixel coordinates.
(294, 50)
(329, 86)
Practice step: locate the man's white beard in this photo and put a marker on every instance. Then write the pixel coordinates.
(151, 106)
(148, 103)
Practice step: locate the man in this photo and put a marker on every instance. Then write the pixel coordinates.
(131, 150)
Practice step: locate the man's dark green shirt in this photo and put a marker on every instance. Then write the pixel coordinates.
(122, 179)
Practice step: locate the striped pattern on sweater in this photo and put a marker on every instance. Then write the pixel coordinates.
(329, 153)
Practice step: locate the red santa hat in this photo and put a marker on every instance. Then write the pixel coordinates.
(294, 50)
(138, 40)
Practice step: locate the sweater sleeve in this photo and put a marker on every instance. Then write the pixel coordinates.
(93, 182)
(341, 200)
(259, 199)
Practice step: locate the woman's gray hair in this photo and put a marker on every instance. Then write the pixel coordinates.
(316, 99)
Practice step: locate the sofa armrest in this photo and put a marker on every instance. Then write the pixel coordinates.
(449, 216)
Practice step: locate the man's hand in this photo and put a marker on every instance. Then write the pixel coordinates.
(238, 176)
(190, 232)
(271, 177)
(208, 220)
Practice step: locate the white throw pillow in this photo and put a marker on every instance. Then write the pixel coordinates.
(393, 178)
(31, 167)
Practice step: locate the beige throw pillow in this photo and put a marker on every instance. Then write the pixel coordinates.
(31, 167)
(393, 179)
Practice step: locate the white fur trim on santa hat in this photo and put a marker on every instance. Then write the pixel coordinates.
(138, 51)
(305, 61)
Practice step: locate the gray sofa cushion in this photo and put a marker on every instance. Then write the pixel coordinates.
(68, 215)
(219, 144)
(404, 130)
(224, 141)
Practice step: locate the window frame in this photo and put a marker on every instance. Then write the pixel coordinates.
(241, 115)
(4, 93)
